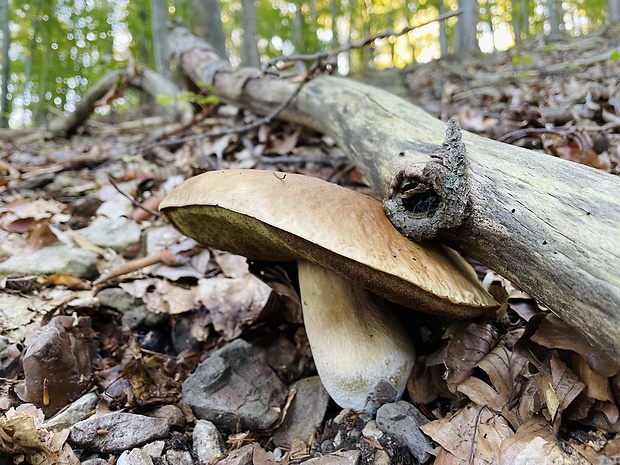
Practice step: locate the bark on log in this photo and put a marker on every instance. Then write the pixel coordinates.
(550, 226)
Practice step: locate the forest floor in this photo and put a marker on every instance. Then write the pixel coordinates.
(104, 307)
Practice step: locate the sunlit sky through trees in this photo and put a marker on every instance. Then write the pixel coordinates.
(60, 47)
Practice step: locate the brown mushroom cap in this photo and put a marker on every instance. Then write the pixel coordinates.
(267, 215)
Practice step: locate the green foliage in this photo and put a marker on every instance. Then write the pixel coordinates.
(188, 97)
(518, 59)
(60, 47)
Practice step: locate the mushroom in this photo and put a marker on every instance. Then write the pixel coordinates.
(351, 262)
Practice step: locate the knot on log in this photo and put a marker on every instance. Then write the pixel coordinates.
(423, 201)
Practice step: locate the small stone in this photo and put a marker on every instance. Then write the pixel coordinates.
(349, 457)
(134, 457)
(95, 462)
(208, 443)
(118, 299)
(63, 346)
(372, 431)
(116, 432)
(154, 449)
(381, 458)
(179, 457)
(305, 413)
(402, 421)
(76, 412)
(117, 234)
(54, 259)
(341, 417)
(234, 388)
(338, 440)
(241, 456)
(172, 413)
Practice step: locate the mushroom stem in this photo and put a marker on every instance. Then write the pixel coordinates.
(362, 353)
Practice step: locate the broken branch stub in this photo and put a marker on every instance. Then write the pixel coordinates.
(425, 200)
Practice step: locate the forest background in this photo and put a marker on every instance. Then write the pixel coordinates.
(52, 51)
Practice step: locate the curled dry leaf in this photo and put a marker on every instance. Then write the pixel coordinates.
(505, 369)
(20, 433)
(559, 387)
(232, 302)
(161, 296)
(470, 342)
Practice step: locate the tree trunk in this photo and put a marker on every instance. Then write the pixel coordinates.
(552, 10)
(159, 24)
(467, 37)
(548, 225)
(6, 43)
(613, 10)
(208, 24)
(249, 52)
(443, 31)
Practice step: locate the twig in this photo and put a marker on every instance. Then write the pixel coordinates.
(472, 449)
(134, 202)
(237, 129)
(317, 58)
(321, 56)
(133, 265)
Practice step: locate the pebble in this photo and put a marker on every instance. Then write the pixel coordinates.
(349, 457)
(372, 431)
(116, 234)
(154, 449)
(76, 412)
(208, 442)
(53, 259)
(117, 432)
(241, 456)
(381, 458)
(234, 388)
(179, 457)
(402, 421)
(58, 362)
(172, 413)
(305, 413)
(135, 457)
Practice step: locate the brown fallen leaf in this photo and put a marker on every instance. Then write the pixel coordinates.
(534, 443)
(21, 433)
(553, 333)
(473, 433)
(506, 372)
(559, 387)
(232, 303)
(573, 152)
(469, 343)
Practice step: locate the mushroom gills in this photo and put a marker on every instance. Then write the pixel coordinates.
(362, 353)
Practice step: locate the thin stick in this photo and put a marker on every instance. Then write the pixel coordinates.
(133, 201)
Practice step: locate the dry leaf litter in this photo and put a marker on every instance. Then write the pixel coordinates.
(123, 342)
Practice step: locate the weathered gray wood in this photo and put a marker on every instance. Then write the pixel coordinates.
(550, 226)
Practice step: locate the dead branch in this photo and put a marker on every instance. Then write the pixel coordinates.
(548, 225)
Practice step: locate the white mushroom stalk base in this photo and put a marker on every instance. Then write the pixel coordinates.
(362, 353)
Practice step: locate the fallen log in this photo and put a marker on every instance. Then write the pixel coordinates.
(550, 226)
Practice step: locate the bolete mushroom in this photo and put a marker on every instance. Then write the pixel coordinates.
(345, 247)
